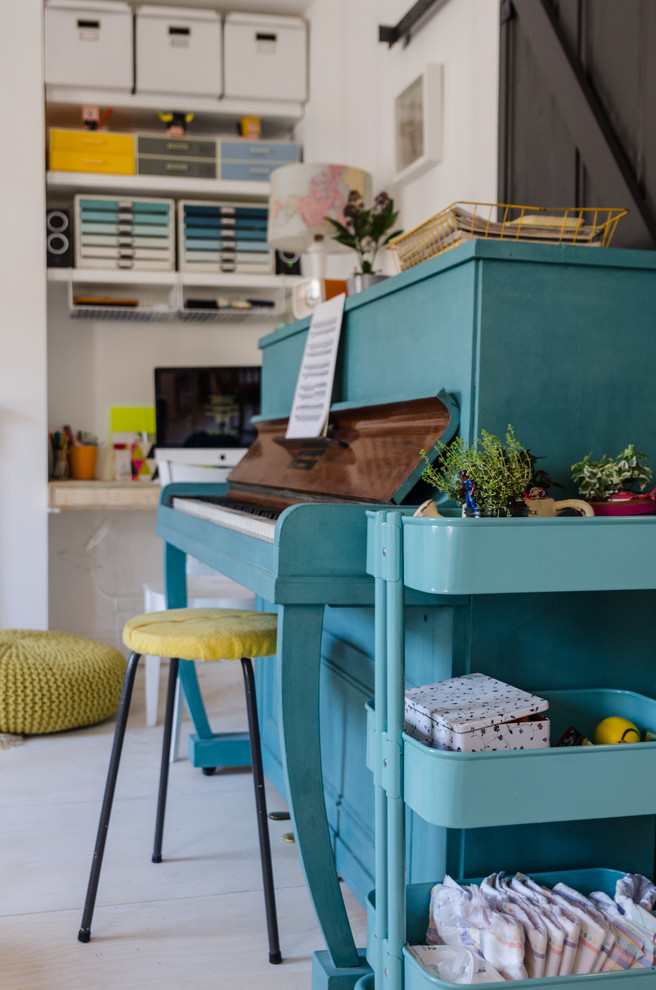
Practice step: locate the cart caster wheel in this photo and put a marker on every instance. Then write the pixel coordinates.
(209, 771)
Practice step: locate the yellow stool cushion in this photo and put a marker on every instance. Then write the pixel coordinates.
(202, 634)
(50, 681)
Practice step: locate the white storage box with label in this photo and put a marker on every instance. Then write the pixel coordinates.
(476, 713)
(89, 44)
(178, 50)
(265, 57)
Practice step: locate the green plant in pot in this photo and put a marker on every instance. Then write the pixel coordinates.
(614, 485)
(366, 231)
(487, 477)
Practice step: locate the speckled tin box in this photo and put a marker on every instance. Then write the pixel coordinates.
(475, 714)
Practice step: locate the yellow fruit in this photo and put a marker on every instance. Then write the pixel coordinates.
(616, 730)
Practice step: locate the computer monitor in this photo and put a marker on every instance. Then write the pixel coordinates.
(204, 420)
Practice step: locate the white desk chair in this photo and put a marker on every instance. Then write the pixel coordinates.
(204, 590)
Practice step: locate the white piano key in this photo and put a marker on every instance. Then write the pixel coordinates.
(240, 522)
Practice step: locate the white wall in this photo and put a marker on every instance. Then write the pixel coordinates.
(96, 364)
(23, 427)
(353, 83)
(99, 561)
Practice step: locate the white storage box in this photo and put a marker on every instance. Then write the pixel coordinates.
(265, 57)
(89, 45)
(178, 51)
(476, 713)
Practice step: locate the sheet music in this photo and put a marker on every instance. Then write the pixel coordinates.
(309, 416)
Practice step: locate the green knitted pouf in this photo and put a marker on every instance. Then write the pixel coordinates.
(50, 681)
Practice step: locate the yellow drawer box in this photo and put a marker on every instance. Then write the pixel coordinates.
(91, 161)
(107, 143)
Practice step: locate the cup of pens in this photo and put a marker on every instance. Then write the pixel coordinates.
(82, 461)
(74, 455)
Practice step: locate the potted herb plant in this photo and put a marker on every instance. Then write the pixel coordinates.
(614, 485)
(488, 477)
(366, 231)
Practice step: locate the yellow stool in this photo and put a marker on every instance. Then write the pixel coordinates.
(192, 634)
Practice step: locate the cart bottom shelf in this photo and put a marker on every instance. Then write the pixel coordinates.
(417, 914)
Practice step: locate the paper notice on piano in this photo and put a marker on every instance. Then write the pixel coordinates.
(309, 415)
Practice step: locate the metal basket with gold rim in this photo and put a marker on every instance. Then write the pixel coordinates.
(592, 226)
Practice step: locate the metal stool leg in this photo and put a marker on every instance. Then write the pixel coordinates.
(166, 749)
(84, 933)
(260, 803)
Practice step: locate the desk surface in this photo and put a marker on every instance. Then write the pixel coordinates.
(102, 495)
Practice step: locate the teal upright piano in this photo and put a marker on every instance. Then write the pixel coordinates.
(560, 342)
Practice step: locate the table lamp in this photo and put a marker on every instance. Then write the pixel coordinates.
(302, 195)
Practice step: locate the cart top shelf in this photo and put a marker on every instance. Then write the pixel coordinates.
(455, 556)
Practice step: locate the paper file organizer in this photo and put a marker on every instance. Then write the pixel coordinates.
(117, 233)
(223, 237)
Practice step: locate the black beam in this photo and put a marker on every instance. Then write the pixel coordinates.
(391, 34)
(586, 120)
(505, 96)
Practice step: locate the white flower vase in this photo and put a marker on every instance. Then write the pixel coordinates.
(356, 283)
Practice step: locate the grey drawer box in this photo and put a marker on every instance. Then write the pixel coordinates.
(252, 171)
(272, 151)
(168, 147)
(196, 168)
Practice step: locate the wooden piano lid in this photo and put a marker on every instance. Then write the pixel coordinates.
(372, 453)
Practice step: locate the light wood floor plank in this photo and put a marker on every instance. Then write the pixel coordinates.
(195, 921)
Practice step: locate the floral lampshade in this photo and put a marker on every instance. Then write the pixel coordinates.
(302, 195)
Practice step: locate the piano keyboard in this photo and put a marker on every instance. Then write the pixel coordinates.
(253, 520)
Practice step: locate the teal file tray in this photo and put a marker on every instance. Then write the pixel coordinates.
(417, 911)
(514, 787)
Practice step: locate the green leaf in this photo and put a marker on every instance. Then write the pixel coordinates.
(368, 229)
(344, 231)
(390, 237)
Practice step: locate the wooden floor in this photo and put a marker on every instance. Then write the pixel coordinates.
(195, 921)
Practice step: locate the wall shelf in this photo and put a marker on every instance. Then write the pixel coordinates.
(64, 102)
(102, 495)
(111, 276)
(156, 295)
(163, 295)
(69, 183)
(129, 277)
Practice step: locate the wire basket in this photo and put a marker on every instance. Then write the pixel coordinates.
(504, 222)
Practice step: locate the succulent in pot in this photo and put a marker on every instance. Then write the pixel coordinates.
(616, 485)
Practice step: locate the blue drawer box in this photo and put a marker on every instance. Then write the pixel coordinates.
(248, 171)
(243, 151)
(255, 160)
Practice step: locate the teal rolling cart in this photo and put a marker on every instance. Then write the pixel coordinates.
(448, 557)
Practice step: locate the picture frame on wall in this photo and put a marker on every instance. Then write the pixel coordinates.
(418, 124)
